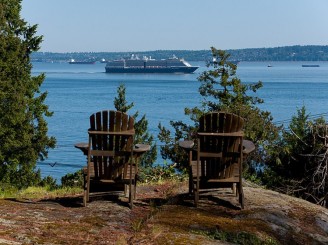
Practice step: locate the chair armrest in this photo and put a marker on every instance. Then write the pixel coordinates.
(83, 147)
(234, 134)
(126, 132)
(248, 146)
(138, 148)
(187, 144)
(141, 148)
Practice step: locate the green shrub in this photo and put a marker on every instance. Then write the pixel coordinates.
(160, 173)
(73, 179)
(49, 182)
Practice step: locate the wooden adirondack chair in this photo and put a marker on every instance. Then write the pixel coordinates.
(111, 164)
(219, 154)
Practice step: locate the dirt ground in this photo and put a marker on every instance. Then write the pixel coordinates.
(164, 214)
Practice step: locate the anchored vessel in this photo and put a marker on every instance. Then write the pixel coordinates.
(310, 65)
(149, 65)
(84, 62)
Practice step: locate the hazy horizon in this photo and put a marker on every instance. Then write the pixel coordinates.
(131, 26)
(139, 51)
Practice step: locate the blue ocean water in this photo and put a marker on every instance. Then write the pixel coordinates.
(77, 91)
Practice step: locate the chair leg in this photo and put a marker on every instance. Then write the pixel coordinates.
(86, 190)
(196, 194)
(131, 191)
(85, 198)
(190, 183)
(234, 189)
(135, 189)
(84, 195)
(237, 189)
(241, 195)
(126, 190)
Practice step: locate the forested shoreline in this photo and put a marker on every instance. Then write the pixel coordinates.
(287, 53)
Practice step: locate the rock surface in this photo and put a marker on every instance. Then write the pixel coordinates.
(164, 214)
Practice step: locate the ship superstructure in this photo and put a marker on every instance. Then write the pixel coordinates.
(149, 65)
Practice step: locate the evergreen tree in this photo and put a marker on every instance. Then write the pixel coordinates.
(23, 129)
(141, 128)
(222, 90)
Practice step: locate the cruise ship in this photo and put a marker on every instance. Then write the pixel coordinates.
(149, 65)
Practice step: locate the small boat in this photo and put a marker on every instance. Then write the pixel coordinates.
(310, 65)
(85, 62)
(269, 65)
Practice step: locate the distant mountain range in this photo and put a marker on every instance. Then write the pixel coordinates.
(287, 53)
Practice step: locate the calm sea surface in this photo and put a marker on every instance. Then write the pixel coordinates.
(77, 91)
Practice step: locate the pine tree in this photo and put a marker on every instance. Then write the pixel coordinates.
(141, 128)
(222, 90)
(23, 128)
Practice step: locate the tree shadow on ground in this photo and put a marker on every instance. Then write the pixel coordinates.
(187, 200)
(207, 199)
(72, 202)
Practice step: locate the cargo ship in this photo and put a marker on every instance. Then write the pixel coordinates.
(149, 65)
(310, 65)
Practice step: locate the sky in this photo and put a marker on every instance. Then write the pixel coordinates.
(148, 25)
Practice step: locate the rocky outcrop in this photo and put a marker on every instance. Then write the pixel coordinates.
(164, 214)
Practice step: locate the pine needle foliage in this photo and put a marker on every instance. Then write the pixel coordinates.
(142, 135)
(222, 90)
(23, 128)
